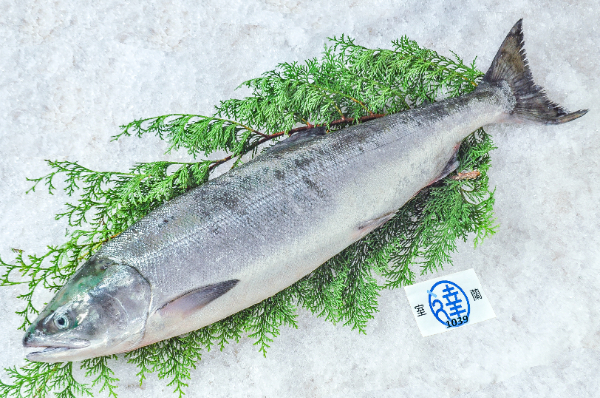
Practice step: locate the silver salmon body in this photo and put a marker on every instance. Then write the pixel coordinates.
(250, 233)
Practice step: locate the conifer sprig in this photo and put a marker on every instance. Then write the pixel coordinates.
(349, 84)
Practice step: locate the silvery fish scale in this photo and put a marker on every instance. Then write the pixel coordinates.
(275, 219)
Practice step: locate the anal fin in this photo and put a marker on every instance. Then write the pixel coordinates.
(452, 165)
(192, 301)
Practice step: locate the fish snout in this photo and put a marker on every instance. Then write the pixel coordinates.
(28, 340)
(33, 338)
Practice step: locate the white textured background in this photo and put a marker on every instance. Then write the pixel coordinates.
(72, 71)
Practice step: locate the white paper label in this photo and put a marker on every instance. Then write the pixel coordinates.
(448, 302)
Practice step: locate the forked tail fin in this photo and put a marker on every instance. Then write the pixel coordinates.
(511, 65)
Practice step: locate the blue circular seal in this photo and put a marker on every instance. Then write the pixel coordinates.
(449, 304)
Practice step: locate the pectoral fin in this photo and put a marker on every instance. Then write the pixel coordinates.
(192, 301)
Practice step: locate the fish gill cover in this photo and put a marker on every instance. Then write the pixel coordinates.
(349, 84)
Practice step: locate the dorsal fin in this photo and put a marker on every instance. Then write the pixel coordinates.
(296, 139)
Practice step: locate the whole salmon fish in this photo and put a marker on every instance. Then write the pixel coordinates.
(250, 233)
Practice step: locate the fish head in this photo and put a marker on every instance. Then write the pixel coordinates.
(101, 310)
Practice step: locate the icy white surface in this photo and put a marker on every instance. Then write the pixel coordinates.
(72, 71)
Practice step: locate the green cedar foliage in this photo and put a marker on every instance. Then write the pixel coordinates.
(348, 84)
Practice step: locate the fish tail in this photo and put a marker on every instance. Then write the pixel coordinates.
(510, 65)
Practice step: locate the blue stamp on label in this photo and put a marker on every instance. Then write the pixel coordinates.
(449, 304)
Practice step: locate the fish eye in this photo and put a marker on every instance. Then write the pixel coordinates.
(61, 322)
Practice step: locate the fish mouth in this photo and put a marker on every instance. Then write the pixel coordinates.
(34, 356)
(55, 352)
